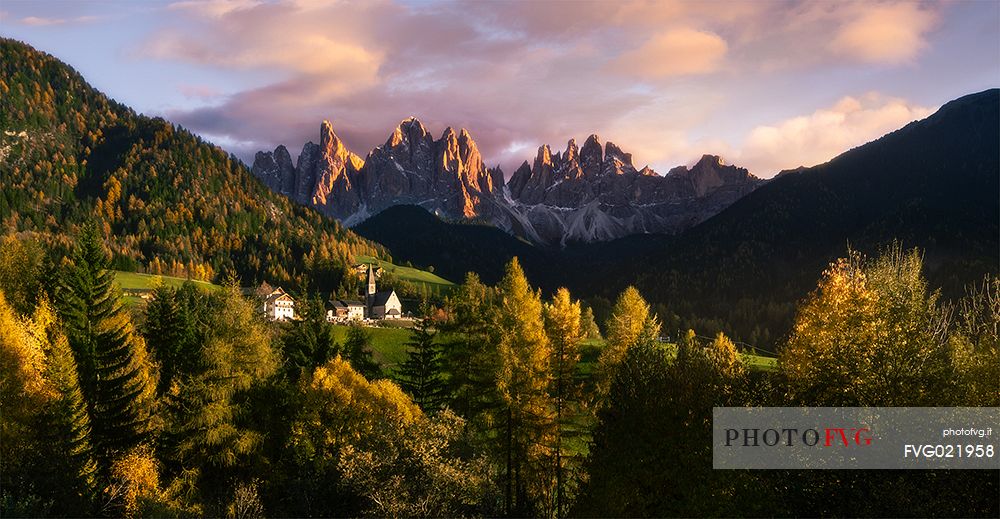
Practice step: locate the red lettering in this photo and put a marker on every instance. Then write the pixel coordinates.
(830, 436)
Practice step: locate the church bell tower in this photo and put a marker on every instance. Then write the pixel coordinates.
(370, 295)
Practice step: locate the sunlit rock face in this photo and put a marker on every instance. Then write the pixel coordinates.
(446, 176)
(581, 194)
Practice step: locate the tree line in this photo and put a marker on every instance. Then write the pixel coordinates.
(506, 405)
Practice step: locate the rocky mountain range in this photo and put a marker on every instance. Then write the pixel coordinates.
(593, 193)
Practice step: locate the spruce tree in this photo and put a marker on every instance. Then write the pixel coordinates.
(164, 332)
(309, 341)
(68, 429)
(420, 374)
(115, 374)
(48, 466)
(357, 348)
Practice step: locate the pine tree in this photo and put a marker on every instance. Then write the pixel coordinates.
(358, 349)
(116, 377)
(420, 374)
(563, 326)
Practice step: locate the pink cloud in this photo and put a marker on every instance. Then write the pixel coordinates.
(815, 138)
(892, 34)
(37, 21)
(511, 72)
(677, 52)
(213, 8)
(199, 91)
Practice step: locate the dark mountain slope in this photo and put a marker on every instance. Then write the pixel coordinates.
(934, 184)
(452, 248)
(169, 201)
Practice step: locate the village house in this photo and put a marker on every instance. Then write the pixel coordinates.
(277, 305)
(361, 270)
(384, 304)
(341, 310)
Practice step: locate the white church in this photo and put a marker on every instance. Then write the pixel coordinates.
(384, 304)
(376, 305)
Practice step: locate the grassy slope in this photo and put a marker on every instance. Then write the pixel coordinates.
(138, 281)
(390, 350)
(389, 345)
(409, 274)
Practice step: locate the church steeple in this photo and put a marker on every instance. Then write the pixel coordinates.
(371, 281)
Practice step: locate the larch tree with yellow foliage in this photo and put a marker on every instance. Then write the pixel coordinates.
(364, 447)
(45, 430)
(630, 323)
(870, 335)
(523, 377)
(210, 423)
(563, 324)
(975, 343)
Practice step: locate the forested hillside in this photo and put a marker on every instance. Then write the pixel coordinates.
(169, 202)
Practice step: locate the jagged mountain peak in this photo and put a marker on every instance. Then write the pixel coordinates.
(326, 130)
(596, 193)
(544, 155)
(583, 193)
(329, 142)
(613, 152)
(409, 130)
(713, 160)
(572, 153)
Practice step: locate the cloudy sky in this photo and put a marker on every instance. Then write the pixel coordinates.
(768, 85)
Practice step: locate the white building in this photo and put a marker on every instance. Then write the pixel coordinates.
(341, 310)
(384, 304)
(277, 304)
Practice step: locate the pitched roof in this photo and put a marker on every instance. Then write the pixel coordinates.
(341, 303)
(278, 294)
(381, 298)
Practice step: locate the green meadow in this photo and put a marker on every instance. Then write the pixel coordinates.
(389, 346)
(410, 274)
